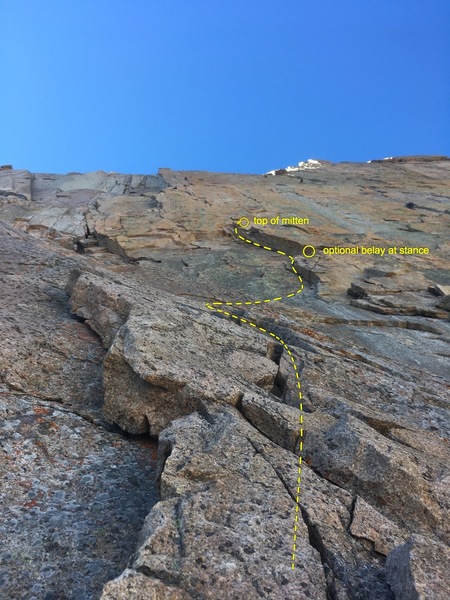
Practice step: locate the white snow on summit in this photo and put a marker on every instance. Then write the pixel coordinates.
(387, 158)
(308, 165)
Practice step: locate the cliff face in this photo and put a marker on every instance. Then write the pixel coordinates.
(284, 337)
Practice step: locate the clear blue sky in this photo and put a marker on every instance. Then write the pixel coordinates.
(224, 85)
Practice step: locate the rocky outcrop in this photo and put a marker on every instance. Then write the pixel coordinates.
(354, 456)
(73, 492)
(165, 356)
(419, 569)
(224, 516)
(369, 524)
(106, 336)
(15, 185)
(406, 294)
(44, 351)
(376, 459)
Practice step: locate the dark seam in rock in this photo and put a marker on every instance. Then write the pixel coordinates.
(164, 577)
(17, 195)
(179, 522)
(266, 435)
(352, 514)
(279, 476)
(316, 542)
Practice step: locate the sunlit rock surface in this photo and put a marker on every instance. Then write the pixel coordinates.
(104, 281)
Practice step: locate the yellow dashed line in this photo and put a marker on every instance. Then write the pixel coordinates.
(212, 306)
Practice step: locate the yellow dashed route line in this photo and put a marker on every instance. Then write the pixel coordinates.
(215, 306)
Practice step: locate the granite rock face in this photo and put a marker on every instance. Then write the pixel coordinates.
(104, 285)
(220, 528)
(167, 356)
(419, 569)
(74, 493)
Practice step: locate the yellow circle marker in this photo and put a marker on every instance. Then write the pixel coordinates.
(243, 222)
(308, 251)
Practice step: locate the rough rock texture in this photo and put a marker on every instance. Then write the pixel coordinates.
(389, 475)
(419, 569)
(104, 281)
(221, 525)
(73, 499)
(44, 351)
(197, 356)
(131, 585)
(73, 495)
(369, 524)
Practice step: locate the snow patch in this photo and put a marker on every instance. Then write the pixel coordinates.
(309, 165)
(378, 160)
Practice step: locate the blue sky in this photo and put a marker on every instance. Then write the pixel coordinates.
(235, 86)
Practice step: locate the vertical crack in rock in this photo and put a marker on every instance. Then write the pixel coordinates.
(218, 397)
(316, 542)
(352, 514)
(179, 521)
(314, 536)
